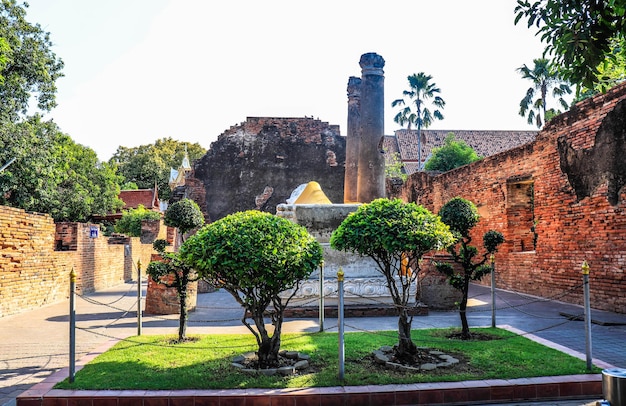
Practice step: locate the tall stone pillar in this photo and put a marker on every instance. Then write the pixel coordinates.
(371, 166)
(352, 141)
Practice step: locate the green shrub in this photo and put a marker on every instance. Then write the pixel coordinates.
(130, 223)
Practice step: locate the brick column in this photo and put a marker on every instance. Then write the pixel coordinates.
(371, 167)
(352, 141)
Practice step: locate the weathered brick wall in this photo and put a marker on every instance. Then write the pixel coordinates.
(258, 164)
(37, 255)
(558, 201)
(30, 276)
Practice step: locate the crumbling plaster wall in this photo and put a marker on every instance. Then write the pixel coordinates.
(558, 201)
(256, 165)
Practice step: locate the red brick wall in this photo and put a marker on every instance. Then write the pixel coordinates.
(568, 229)
(37, 255)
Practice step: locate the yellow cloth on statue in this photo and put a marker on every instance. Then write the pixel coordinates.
(312, 194)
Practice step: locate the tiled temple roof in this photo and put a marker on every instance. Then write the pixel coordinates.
(485, 143)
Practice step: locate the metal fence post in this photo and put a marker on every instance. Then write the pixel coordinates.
(72, 325)
(138, 297)
(340, 321)
(585, 272)
(321, 311)
(493, 291)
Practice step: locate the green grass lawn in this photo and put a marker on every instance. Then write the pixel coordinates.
(156, 362)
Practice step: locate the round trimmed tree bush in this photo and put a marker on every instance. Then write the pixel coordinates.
(392, 232)
(255, 256)
(185, 215)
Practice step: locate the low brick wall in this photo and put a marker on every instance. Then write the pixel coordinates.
(37, 255)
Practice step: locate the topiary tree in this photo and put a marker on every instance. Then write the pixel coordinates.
(462, 215)
(185, 215)
(255, 256)
(394, 233)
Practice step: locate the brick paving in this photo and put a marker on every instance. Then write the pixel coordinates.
(35, 344)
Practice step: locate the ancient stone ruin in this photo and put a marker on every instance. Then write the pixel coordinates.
(257, 164)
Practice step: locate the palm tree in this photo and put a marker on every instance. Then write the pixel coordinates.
(420, 91)
(544, 78)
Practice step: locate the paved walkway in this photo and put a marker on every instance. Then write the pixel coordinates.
(35, 344)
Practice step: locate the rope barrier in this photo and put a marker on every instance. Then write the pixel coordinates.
(368, 299)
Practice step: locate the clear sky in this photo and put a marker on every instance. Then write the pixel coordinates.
(139, 70)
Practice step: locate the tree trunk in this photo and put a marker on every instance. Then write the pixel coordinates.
(268, 352)
(406, 346)
(465, 331)
(182, 321)
(268, 346)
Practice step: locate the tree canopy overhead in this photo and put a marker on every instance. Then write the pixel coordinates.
(578, 33)
(52, 174)
(28, 67)
(146, 164)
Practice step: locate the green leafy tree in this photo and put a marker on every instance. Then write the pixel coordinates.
(578, 33)
(185, 215)
(4, 50)
(147, 164)
(28, 67)
(52, 174)
(421, 91)
(255, 256)
(452, 154)
(611, 72)
(130, 222)
(395, 235)
(462, 215)
(130, 186)
(545, 78)
(394, 167)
